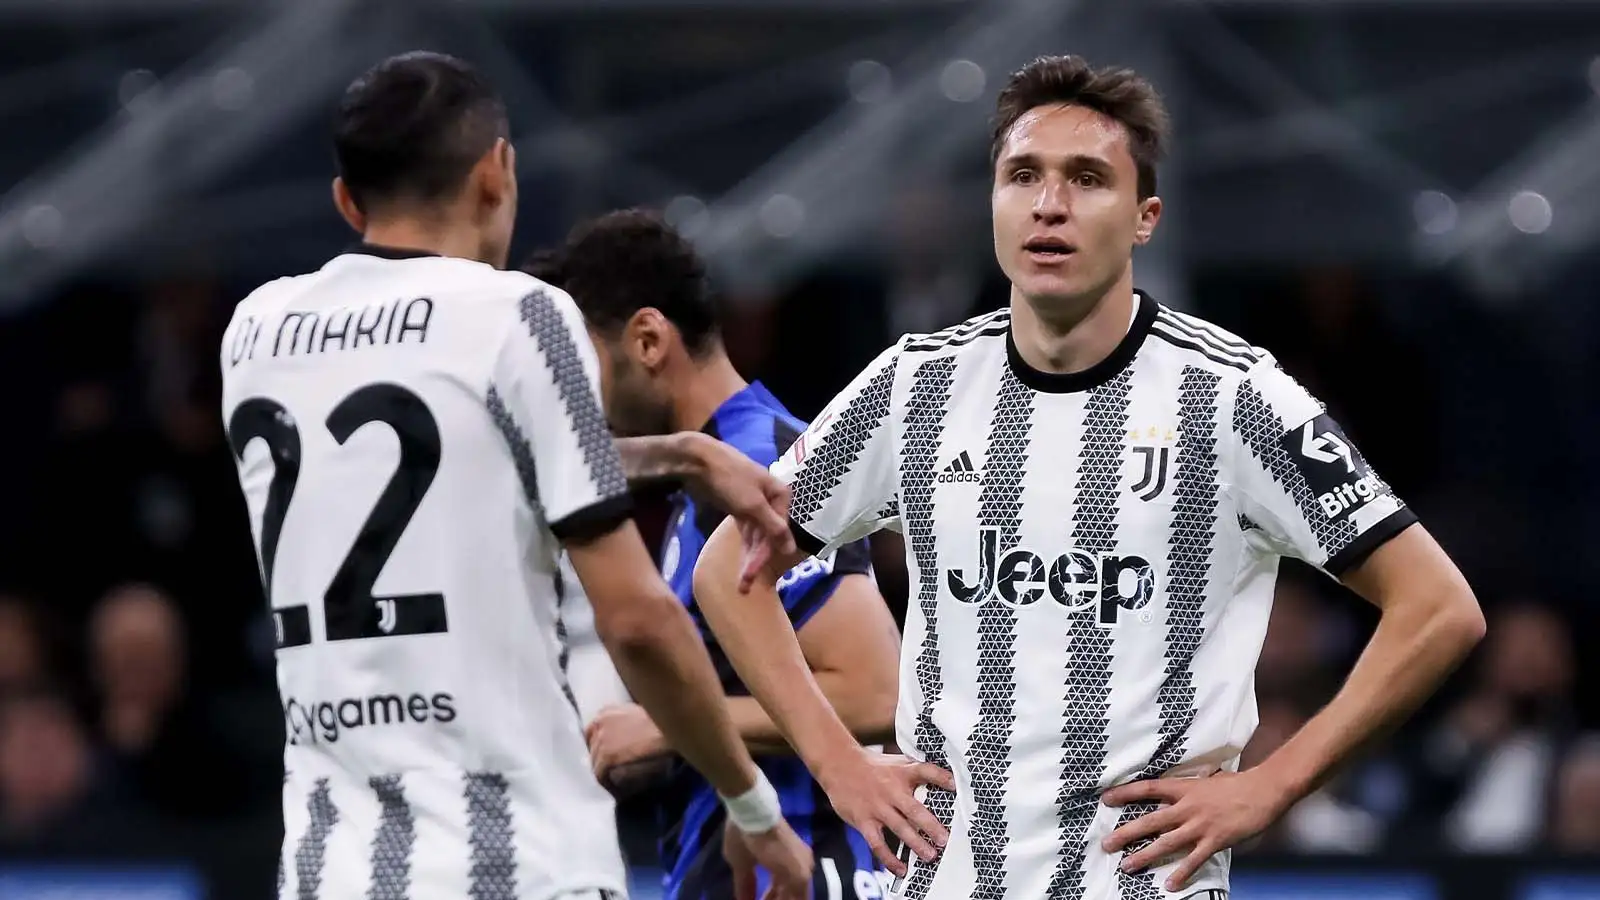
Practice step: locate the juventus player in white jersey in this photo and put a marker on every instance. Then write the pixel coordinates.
(418, 436)
(1096, 492)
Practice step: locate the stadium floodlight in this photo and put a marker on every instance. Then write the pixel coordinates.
(1524, 217)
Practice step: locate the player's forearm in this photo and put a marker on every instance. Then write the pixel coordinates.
(668, 672)
(761, 735)
(666, 457)
(1416, 644)
(756, 635)
(869, 719)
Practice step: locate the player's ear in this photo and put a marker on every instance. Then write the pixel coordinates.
(508, 155)
(1149, 216)
(496, 174)
(345, 203)
(648, 334)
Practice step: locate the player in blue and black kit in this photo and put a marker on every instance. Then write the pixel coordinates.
(664, 369)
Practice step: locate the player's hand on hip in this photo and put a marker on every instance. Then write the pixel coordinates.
(878, 791)
(1198, 818)
(780, 851)
(756, 499)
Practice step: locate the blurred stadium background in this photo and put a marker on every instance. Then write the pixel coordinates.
(1400, 198)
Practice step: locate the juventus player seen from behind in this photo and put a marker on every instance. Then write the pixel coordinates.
(1096, 492)
(643, 291)
(418, 437)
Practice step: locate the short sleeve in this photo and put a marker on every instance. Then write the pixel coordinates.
(1302, 481)
(544, 398)
(805, 588)
(841, 470)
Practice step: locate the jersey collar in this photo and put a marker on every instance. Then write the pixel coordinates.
(753, 394)
(1095, 375)
(383, 252)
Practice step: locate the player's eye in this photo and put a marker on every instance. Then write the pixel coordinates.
(1024, 176)
(1087, 180)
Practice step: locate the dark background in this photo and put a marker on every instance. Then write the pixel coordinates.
(1399, 199)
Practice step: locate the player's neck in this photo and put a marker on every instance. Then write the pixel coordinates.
(707, 385)
(1064, 341)
(414, 234)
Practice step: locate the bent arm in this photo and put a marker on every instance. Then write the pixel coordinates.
(660, 657)
(656, 458)
(852, 647)
(755, 633)
(1430, 621)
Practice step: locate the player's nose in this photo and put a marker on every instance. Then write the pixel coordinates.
(1052, 203)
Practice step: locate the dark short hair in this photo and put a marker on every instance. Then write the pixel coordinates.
(624, 261)
(1119, 94)
(412, 128)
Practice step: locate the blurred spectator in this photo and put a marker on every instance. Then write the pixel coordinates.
(177, 345)
(85, 408)
(1575, 825)
(1323, 822)
(159, 731)
(1489, 768)
(137, 644)
(22, 652)
(1300, 647)
(140, 481)
(46, 765)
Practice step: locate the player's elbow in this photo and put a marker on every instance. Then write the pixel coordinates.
(1455, 620)
(1463, 625)
(641, 627)
(716, 572)
(869, 711)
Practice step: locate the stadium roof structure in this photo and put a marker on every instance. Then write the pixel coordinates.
(779, 131)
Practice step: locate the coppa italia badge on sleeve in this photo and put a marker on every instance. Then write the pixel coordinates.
(1333, 468)
(803, 443)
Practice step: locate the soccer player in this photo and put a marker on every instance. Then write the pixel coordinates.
(418, 438)
(1096, 492)
(643, 292)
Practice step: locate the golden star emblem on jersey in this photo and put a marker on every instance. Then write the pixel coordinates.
(1165, 434)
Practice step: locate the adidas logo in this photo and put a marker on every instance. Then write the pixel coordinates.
(960, 469)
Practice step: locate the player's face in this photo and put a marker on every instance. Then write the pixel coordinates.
(632, 400)
(1065, 203)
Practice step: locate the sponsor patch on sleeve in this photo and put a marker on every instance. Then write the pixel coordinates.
(1340, 480)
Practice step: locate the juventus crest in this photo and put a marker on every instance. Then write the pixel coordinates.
(1154, 462)
(1153, 449)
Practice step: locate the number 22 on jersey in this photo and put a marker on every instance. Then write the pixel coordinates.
(350, 609)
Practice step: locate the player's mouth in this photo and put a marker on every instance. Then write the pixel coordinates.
(1048, 250)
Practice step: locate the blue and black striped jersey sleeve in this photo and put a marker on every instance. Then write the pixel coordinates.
(808, 586)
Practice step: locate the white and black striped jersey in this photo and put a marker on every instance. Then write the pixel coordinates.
(1093, 557)
(591, 673)
(414, 435)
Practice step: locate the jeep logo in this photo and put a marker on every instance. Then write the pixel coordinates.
(1076, 579)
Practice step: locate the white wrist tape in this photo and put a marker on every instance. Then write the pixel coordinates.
(757, 810)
